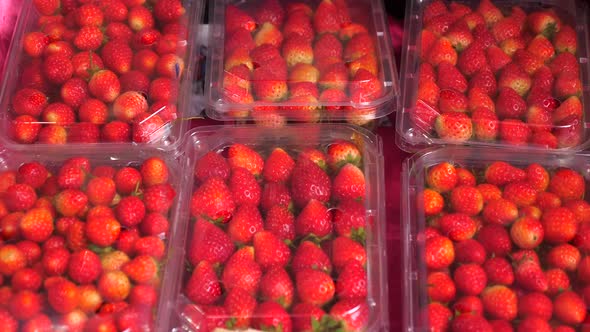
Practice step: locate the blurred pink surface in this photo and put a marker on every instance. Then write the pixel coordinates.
(9, 10)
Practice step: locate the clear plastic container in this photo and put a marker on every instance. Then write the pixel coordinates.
(420, 109)
(117, 157)
(293, 139)
(414, 220)
(152, 67)
(256, 94)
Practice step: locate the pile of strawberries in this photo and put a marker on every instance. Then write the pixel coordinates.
(506, 248)
(496, 75)
(82, 246)
(279, 244)
(300, 60)
(100, 71)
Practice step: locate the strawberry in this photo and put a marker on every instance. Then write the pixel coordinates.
(130, 211)
(142, 269)
(212, 165)
(239, 40)
(479, 98)
(527, 233)
(565, 40)
(567, 84)
(76, 236)
(471, 60)
(564, 62)
(434, 9)
(499, 271)
(467, 200)
(442, 51)
(310, 256)
(429, 93)
(275, 194)
(268, 34)
(304, 314)
(276, 285)
(500, 302)
(568, 132)
(544, 22)
(452, 101)
(213, 200)
(242, 156)
(74, 92)
(58, 68)
(150, 245)
(345, 250)
(281, 222)
(514, 132)
(104, 85)
(528, 275)
(506, 28)
(34, 174)
(454, 127)
(571, 107)
(485, 80)
(26, 279)
(143, 296)
(241, 305)
(205, 238)
(63, 296)
(116, 131)
(541, 47)
(560, 225)
(139, 18)
(485, 124)
(46, 7)
(575, 184)
(243, 187)
(273, 315)
(25, 305)
(432, 201)
(29, 102)
(449, 77)
(442, 177)
(342, 311)
(297, 49)
(440, 287)
(159, 198)
(84, 267)
(470, 279)
(569, 308)
(270, 251)
(564, 256)
(20, 197)
(534, 324)
(439, 252)
(168, 10)
(520, 193)
(241, 271)
(513, 76)
(580, 208)
(439, 316)
(117, 56)
(114, 286)
(529, 62)
(535, 304)
(495, 239)
(501, 173)
(203, 286)
(325, 19)
(12, 259)
(465, 177)
(25, 129)
(278, 167)
(236, 18)
(103, 231)
(427, 40)
(314, 287)
(154, 171)
(349, 183)
(36, 225)
(314, 219)
(88, 38)
(307, 175)
(490, 12)
(509, 104)
(468, 305)
(34, 43)
(440, 24)
(245, 223)
(457, 226)
(460, 35)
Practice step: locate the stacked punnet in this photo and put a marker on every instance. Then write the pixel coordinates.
(285, 60)
(104, 71)
(497, 74)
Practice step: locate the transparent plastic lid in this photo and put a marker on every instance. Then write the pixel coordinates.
(263, 252)
(495, 73)
(282, 60)
(100, 72)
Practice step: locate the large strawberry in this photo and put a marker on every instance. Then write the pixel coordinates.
(203, 287)
(309, 182)
(242, 272)
(213, 200)
(210, 243)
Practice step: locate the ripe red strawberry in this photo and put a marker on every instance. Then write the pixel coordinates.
(89, 15)
(130, 211)
(539, 119)
(449, 77)
(460, 35)
(168, 10)
(434, 9)
(349, 218)
(203, 286)
(76, 236)
(212, 165)
(534, 323)
(528, 275)
(86, 63)
(270, 11)
(268, 34)
(441, 287)
(457, 226)
(244, 187)
(571, 107)
(506, 28)
(499, 271)
(159, 198)
(278, 167)
(439, 252)
(25, 305)
(509, 104)
(342, 311)
(239, 41)
(470, 251)
(581, 209)
(104, 85)
(485, 124)
(569, 308)
(565, 40)
(440, 24)
(84, 267)
(535, 304)
(26, 279)
(154, 171)
(500, 302)
(454, 127)
(442, 51)
(103, 231)
(241, 271)
(452, 101)
(468, 305)
(470, 279)
(429, 93)
(58, 68)
(544, 22)
(273, 315)
(281, 222)
(46, 7)
(567, 84)
(151, 246)
(88, 38)
(210, 243)
(314, 287)
(70, 202)
(527, 233)
(29, 101)
(309, 256)
(34, 43)
(560, 225)
(93, 111)
(236, 18)
(276, 285)
(58, 113)
(472, 59)
(484, 79)
(270, 250)
(240, 304)
(513, 76)
(495, 239)
(501, 173)
(564, 62)
(213, 200)
(478, 98)
(246, 222)
(139, 18)
(242, 156)
(117, 56)
(564, 256)
(325, 19)
(432, 201)
(275, 194)
(308, 182)
(345, 250)
(315, 219)
(63, 296)
(352, 282)
(490, 12)
(304, 314)
(20, 197)
(12, 259)
(349, 183)
(36, 225)
(142, 269)
(442, 177)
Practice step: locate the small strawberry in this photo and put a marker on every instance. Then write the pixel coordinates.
(569, 308)
(468, 305)
(449, 77)
(434, 9)
(479, 98)
(26, 279)
(485, 80)
(490, 12)
(514, 77)
(84, 267)
(34, 43)
(88, 38)
(349, 183)
(567, 84)
(271, 315)
(304, 315)
(535, 304)
(560, 225)
(142, 269)
(168, 10)
(213, 200)
(454, 127)
(270, 11)
(104, 85)
(242, 271)
(245, 223)
(581, 209)
(309, 256)
(113, 261)
(326, 18)
(509, 104)
(139, 18)
(25, 129)
(114, 286)
(103, 231)
(564, 256)
(314, 287)
(506, 28)
(242, 156)
(29, 101)
(442, 177)
(495, 239)
(276, 285)
(460, 35)
(203, 286)
(527, 233)
(564, 62)
(440, 24)
(36, 225)
(159, 198)
(315, 219)
(76, 236)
